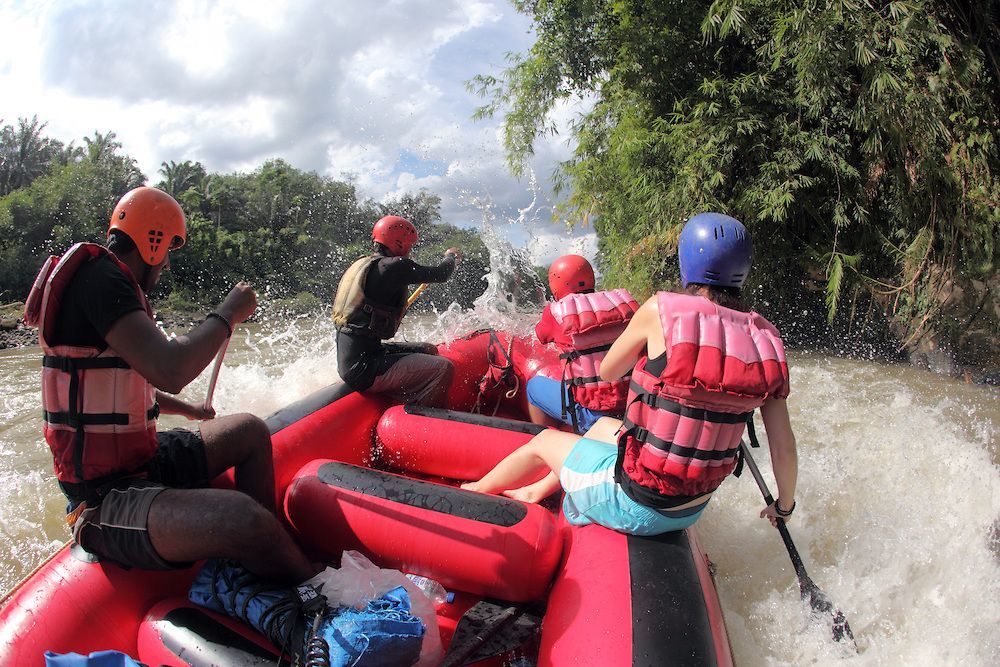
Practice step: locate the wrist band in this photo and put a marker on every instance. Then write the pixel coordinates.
(229, 327)
(781, 512)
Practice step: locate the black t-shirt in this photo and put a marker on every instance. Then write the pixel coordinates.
(360, 359)
(98, 295)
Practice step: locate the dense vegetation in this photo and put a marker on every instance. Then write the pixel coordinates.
(857, 140)
(290, 233)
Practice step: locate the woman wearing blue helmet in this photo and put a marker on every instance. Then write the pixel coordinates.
(702, 364)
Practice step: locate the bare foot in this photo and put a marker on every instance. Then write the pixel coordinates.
(525, 494)
(470, 486)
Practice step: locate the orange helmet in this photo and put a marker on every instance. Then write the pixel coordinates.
(395, 233)
(153, 220)
(570, 274)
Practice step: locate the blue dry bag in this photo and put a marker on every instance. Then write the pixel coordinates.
(95, 659)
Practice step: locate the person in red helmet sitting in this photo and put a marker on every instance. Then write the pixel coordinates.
(368, 309)
(582, 323)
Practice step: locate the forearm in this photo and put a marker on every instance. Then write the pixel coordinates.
(785, 464)
(191, 353)
(417, 273)
(171, 405)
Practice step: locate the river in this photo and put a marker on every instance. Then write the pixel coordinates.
(898, 516)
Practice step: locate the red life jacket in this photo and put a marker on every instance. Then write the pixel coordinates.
(99, 414)
(682, 428)
(586, 326)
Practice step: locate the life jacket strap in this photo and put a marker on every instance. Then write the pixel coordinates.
(661, 403)
(76, 419)
(643, 435)
(70, 364)
(576, 354)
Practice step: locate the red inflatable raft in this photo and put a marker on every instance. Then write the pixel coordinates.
(355, 473)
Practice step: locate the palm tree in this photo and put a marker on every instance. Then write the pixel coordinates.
(102, 147)
(25, 154)
(179, 178)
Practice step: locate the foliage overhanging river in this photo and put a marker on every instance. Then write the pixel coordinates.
(897, 514)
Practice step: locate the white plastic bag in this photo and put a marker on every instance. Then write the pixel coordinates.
(359, 580)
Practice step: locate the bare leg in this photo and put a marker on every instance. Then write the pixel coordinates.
(242, 441)
(538, 416)
(537, 492)
(524, 465)
(192, 524)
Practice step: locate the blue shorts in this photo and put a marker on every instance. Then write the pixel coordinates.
(593, 496)
(546, 394)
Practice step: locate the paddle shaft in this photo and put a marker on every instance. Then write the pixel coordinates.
(793, 553)
(807, 587)
(416, 293)
(213, 380)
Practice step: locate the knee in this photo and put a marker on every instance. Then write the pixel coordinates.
(254, 429)
(251, 525)
(446, 370)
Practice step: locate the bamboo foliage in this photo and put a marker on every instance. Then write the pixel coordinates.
(854, 138)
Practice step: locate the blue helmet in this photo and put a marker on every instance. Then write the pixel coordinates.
(714, 249)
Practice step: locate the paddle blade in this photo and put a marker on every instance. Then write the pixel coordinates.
(822, 605)
(488, 629)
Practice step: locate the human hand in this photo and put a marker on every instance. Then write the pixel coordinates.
(453, 251)
(772, 514)
(239, 304)
(199, 412)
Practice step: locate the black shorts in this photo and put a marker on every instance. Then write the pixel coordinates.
(116, 529)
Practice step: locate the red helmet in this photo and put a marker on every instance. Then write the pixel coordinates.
(153, 220)
(570, 274)
(395, 233)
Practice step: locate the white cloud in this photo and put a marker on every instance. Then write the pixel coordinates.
(336, 87)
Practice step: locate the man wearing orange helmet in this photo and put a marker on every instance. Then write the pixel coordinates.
(139, 497)
(582, 323)
(368, 309)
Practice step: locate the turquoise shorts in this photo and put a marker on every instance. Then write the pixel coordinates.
(592, 495)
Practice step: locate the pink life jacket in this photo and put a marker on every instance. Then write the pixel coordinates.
(682, 428)
(99, 414)
(587, 326)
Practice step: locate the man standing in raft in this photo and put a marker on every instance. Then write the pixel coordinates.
(138, 497)
(704, 364)
(583, 324)
(368, 308)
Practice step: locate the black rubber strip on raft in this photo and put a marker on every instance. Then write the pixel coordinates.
(476, 419)
(424, 495)
(670, 623)
(201, 641)
(302, 408)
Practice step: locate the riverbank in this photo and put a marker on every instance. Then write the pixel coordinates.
(15, 333)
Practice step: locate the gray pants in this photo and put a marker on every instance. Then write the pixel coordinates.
(417, 378)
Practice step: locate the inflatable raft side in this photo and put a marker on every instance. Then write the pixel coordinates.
(46, 611)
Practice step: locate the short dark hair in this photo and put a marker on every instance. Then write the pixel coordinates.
(120, 243)
(381, 249)
(727, 297)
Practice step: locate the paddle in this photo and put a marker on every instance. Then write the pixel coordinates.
(416, 293)
(487, 629)
(215, 374)
(808, 589)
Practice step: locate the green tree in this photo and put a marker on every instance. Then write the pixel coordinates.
(857, 140)
(26, 154)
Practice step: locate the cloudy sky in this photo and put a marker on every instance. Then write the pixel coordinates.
(374, 91)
